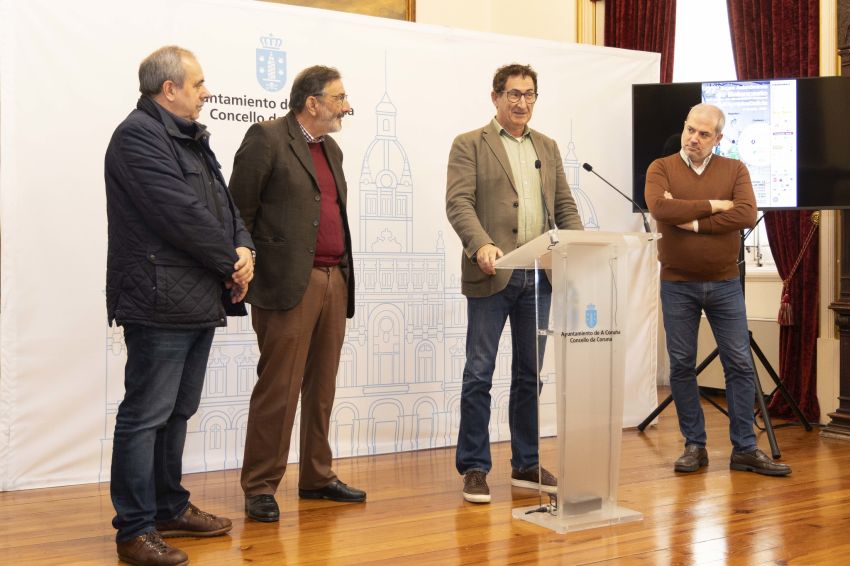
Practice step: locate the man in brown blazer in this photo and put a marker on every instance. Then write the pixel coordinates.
(289, 185)
(505, 183)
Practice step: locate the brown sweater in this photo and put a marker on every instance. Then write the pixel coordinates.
(712, 253)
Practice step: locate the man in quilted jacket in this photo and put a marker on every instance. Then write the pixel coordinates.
(179, 261)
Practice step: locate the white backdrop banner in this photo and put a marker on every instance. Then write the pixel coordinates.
(68, 76)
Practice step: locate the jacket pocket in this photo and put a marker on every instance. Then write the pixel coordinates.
(187, 294)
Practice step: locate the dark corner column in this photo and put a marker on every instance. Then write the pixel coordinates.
(839, 421)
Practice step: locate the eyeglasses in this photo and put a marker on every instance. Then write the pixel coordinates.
(515, 95)
(338, 97)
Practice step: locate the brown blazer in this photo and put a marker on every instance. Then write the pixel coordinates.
(481, 200)
(274, 185)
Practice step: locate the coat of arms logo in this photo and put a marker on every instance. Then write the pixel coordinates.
(271, 63)
(590, 315)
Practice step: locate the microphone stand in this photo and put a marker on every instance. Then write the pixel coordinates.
(554, 240)
(589, 169)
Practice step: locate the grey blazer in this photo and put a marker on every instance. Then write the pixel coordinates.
(274, 185)
(481, 200)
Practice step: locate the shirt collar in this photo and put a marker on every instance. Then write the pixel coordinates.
(503, 132)
(687, 160)
(307, 136)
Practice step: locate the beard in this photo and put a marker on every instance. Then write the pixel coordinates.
(335, 124)
(332, 121)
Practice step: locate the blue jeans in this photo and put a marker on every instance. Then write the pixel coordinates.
(487, 318)
(163, 382)
(723, 303)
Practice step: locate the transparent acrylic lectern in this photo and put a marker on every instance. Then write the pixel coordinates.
(586, 332)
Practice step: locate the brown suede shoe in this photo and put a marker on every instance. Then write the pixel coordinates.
(150, 550)
(194, 523)
(475, 488)
(529, 479)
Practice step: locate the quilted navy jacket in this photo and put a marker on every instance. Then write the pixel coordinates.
(173, 228)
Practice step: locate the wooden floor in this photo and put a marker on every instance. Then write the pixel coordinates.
(415, 513)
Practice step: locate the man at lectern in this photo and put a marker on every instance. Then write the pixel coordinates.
(701, 201)
(179, 261)
(290, 187)
(505, 186)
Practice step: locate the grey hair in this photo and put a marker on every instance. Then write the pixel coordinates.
(721, 117)
(164, 64)
(310, 82)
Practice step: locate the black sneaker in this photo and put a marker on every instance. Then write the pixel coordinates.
(532, 479)
(475, 489)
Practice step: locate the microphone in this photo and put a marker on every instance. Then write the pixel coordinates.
(553, 236)
(589, 169)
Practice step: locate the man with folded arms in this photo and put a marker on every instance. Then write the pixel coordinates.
(701, 202)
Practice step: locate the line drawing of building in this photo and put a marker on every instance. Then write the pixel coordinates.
(572, 169)
(401, 367)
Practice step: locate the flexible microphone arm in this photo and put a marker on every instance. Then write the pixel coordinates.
(589, 169)
(553, 236)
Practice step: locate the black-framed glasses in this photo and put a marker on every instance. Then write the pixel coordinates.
(338, 97)
(514, 96)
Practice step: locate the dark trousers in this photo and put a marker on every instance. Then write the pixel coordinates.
(299, 354)
(682, 303)
(163, 382)
(487, 317)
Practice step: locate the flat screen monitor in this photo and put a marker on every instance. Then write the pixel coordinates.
(793, 135)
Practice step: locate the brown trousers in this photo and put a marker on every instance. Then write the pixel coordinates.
(299, 353)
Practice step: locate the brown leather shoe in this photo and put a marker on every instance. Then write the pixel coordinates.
(194, 523)
(758, 462)
(692, 459)
(150, 550)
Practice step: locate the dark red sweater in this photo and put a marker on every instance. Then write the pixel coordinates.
(330, 242)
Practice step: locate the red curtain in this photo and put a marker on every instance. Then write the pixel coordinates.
(644, 25)
(779, 39)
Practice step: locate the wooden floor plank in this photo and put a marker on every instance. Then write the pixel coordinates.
(415, 513)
